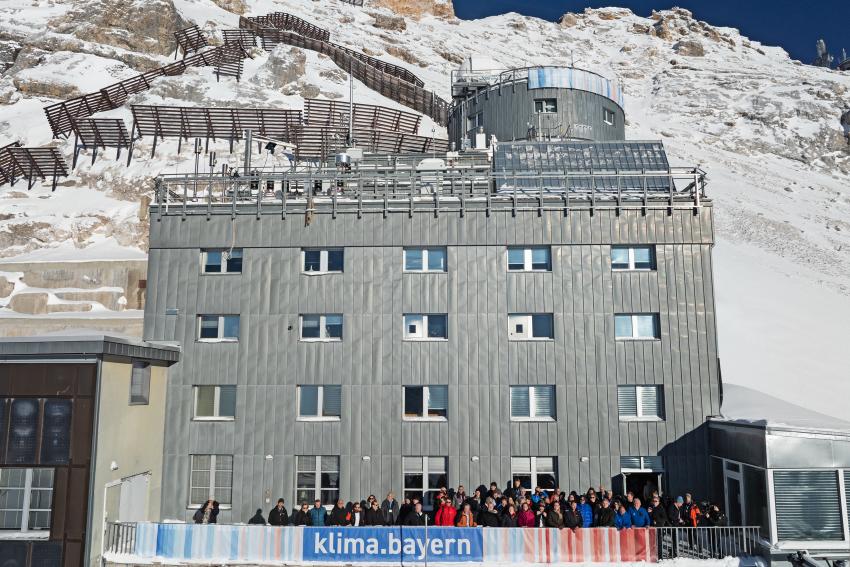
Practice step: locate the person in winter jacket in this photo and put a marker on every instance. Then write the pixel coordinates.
(445, 514)
(465, 518)
(207, 513)
(622, 518)
(604, 515)
(675, 514)
(714, 517)
(374, 516)
(514, 491)
(390, 510)
(338, 515)
(640, 517)
(417, 517)
(572, 516)
(586, 511)
(318, 514)
(459, 497)
(690, 511)
(509, 517)
(489, 517)
(540, 515)
(525, 517)
(301, 517)
(257, 519)
(404, 511)
(278, 516)
(554, 517)
(356, 517)
(658, 514)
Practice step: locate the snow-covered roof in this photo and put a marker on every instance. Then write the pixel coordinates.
(745, 405)
(86, 342)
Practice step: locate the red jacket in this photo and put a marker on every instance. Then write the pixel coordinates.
(445, 516)
(525, 519)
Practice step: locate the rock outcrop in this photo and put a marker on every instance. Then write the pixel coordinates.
(418, 8)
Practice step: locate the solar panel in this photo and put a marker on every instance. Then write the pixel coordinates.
(524, 165)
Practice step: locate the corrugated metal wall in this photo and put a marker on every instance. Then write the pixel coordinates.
(478, 363)
(508, 112)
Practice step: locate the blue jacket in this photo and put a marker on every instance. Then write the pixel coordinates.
(622, 520)
(640, 517)
(317, 515)
(586, 511)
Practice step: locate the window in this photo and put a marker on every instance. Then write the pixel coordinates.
(529, 327)
(636, 327)
(25, 499)
(215, 403)
(608, 116)
(26, 418)
(23, 431)
(316, 478)
(56, 432)
(535, 471)
(323, 261)
(321, 327)
(542, 105)
(425, 260)
(641, 464)
(808, 506)
(140, 384)
(423, 478)
(640, 402)
(319, 402)
(532, 403)
(218, 328)
(211, 478)
(426, 402)
(421, 327)
(227, 261)
(537, 259)
(633, 258)
(475, 121)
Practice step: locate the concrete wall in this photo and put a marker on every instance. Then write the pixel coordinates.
(131, 436)
(478, 363)
(508, 111)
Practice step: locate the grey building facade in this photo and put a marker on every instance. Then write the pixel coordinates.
(579, 349)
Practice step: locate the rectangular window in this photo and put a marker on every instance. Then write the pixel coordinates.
(808, 506)
(535, 259)
(475, 121)
(316, 478)
(140, 384)
(629, 326)
(26, 496)
(535, 471)
(211, 479)
(321, 327)
(542, 105)
(640, 402)
(532, 403)
(214, 403)
(426, 402)
(425, 260)
(426, 327)
(319, 402)
(531, 327)
(55, 432)
(323, 260)
(24, 416)
(228, 261)
(218, 328)
(423, 478)
(608, 116)
(641, 464)
(632, 258)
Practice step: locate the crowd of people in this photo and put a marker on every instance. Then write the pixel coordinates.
(515, 507)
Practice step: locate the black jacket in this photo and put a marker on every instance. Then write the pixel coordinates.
(390, 511)
(659, 517)
(488, 519)
(300, 518)
(675, 517)
(403, 512)
(572, 519)
(604, 518)
(198, 517)
(555, 519)
(373, 517)
(414, 519)
(257, 519)
(508, 521)
(279, 517)
(337, 517)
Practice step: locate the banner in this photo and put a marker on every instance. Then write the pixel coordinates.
(393, 545)
(268, 545)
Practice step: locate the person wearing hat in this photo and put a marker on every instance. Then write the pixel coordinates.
(675, 513)
(278, 516)
(257, 519)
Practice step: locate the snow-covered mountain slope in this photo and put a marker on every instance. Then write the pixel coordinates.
(763, 126)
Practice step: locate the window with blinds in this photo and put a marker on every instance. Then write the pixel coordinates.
(807, 505)
(640, 402)
(652, 463)
(532, 403)
(426, 402)
(319, 402)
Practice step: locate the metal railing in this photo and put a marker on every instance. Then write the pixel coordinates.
(120, 537)
(381, 189)
(708, 542)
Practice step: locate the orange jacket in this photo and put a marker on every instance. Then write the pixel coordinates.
(466, 521)
(695, 514)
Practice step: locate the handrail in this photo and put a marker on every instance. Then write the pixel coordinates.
(715, 542)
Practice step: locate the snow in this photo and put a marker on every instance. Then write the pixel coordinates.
(100, 250)
(742, 405)
(764, 127)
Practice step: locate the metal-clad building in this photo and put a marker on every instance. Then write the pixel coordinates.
(534, 103)
(546, 288)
